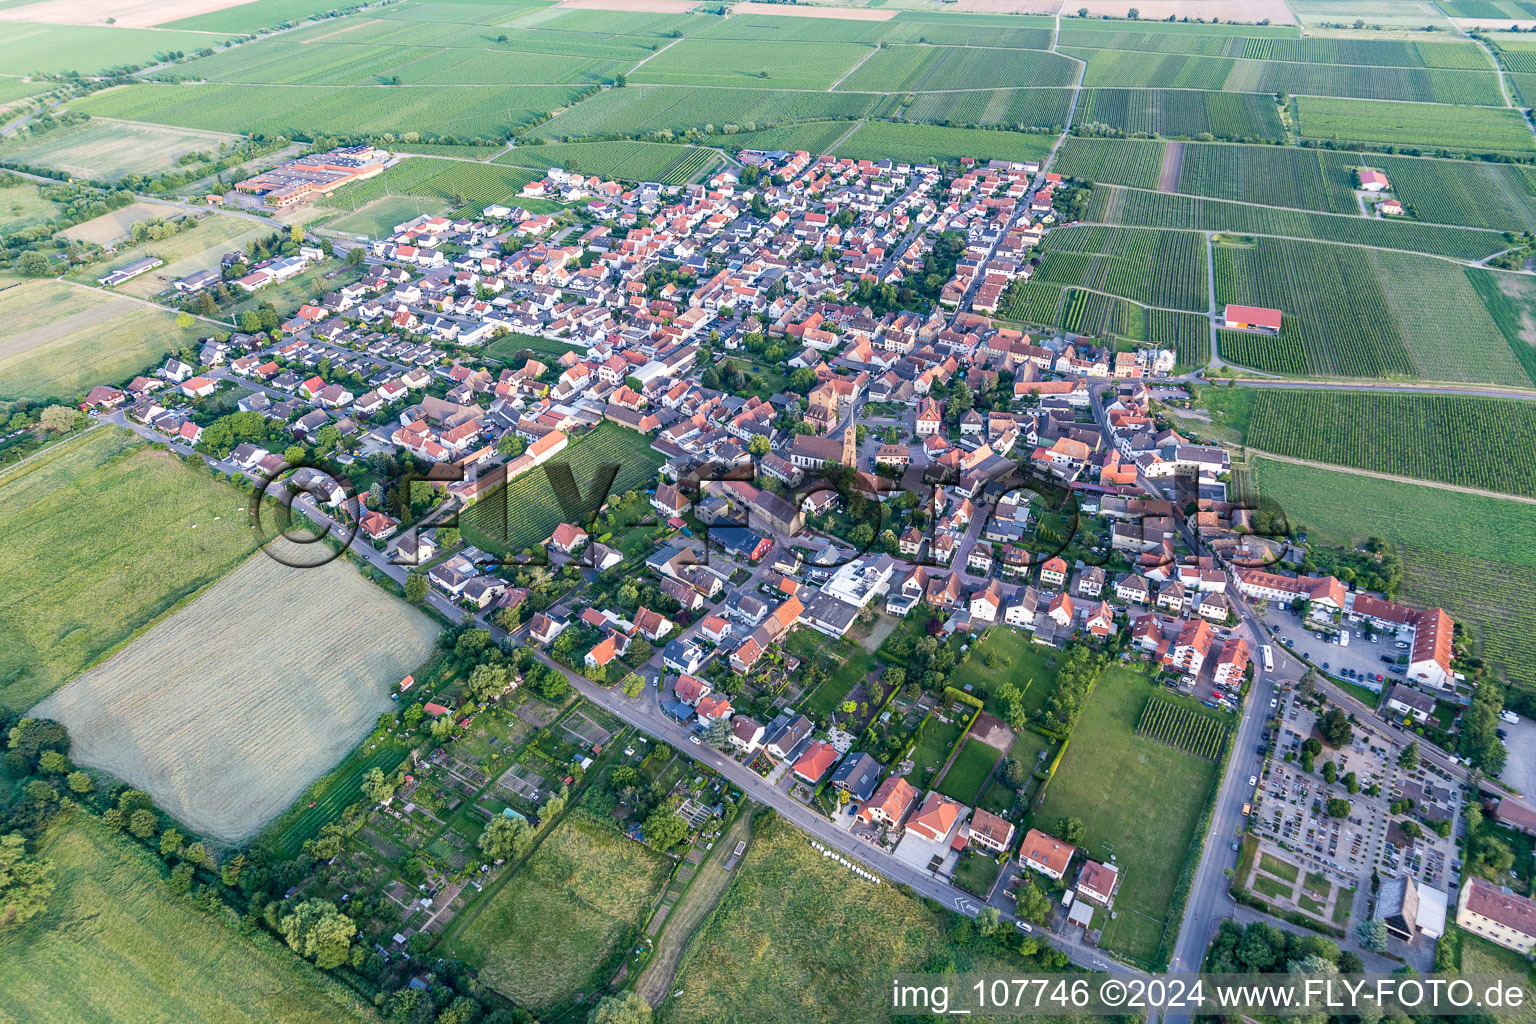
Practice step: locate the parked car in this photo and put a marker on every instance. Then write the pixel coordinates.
(1253, 780)
(1402, 646)
(1273, 702)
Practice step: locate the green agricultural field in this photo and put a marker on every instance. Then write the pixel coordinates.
(28, 47)
(626, 161)
(1512, 304)
(1130, 69)
(1136, 207)
(1465, 553)
(932, 68)
(1108, 778)
(1020, 109)
(1183, 113)
(1468, 129)
(524, 512)
(1096, 315)
(798, 937)
(83, 345)
(1357, 312)
(102, 536)
(1309, 179)
(116, 946)
(461, 182)
(565, 921)
(1135, 162)
(970, 772)
(814, 137)
(921, 143)
(1470, 192)
(106, 150)
(751, 63)
(644, 109)
(468, 111)
(1487, 443)
(1166, 269)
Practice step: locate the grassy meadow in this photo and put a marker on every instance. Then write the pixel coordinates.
(100, 536)
(116, 946)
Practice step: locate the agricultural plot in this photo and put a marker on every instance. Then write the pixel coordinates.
(1130, 69)
(1433, 126)
(82, 344)
(1138, 208)
(467, 111)
(1134, 162)
(117, 225)
(459, 182)
(22, 206)
(101, 536)
(199, 247)
(1183, 113)
(639, 109)
(1512, 304)
(798, 937)
(1108, 777)
(764, 64)
(378, 218)
(488, 67)
(1308, 179)
(596, 883)
(626, 161)
(1092, 314)
(1462, 552)
(104, 150)
(1487, 443)
(1423, 85)
(927, 68)
(522, 513)
(1181, 728)
(1471, 192)
(28, 47)
(1003, 108)
(1153, 268)
(1347, 314)
(226, 711)
(115, 946)
(921, 143)
(243, 18)
(815, 137)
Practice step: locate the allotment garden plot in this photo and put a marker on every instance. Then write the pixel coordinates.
(227, 710)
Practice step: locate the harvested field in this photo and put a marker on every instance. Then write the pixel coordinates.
(121, 13)
(226, 711)
(115, 226)
(65, 357)
(631, 6)
(788, 11)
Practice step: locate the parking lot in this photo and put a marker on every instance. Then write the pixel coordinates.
(1361, 656)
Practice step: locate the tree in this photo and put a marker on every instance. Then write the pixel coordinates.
(171, 842)
(487, 681)
(143, 823)
(184, 320)
(416, 587)
(180, 881)
(718, 733)
(79, 782)
(33, 264)
(1409, 758)
(1070, 830)
(664, 829)
(1032, 904)
(57, 419)
(627, 1007)
(376, 786)
(1372, 934)
(505, 838)
(26, 883)
(758, 445)
(317, 930)
(1338, 807)
(1333, 726)
(233, 868)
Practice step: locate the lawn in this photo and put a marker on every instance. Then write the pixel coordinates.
(99, 537)
(71, 339)
(1272, 888)
(1279, 868)
(197, 248)
(116, 946)
(525, 511)
(22, 205)
(1140, 800)
(971, 770)
(1476, 955)
(934, 743)
(800, 938)
(977, 872)
(1020, 661)
(102, 149)
(547, 350)
(378, 218)
(561, 925)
